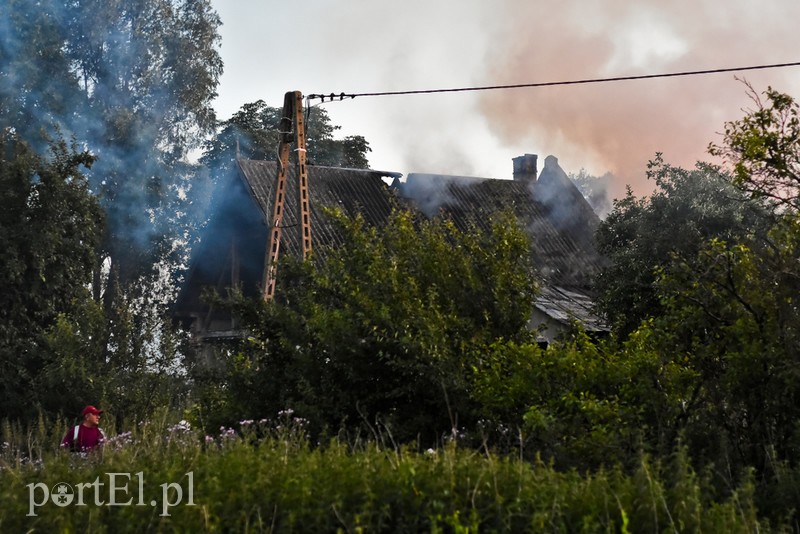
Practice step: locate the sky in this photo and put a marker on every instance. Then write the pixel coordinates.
(360, 46)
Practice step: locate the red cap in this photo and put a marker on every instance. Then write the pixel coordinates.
(92, 410)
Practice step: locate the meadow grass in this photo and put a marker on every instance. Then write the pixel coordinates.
(266, 476)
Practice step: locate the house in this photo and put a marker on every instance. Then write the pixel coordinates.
(560, 222)
(232, 250)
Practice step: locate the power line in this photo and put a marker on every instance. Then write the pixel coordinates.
(342, 96)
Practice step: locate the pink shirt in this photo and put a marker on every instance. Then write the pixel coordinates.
(88, 438)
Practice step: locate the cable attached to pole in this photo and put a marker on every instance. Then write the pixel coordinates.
(342, 96)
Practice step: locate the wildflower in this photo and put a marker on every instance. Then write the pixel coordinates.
(181, 426)
(209, 439)
(120, 440)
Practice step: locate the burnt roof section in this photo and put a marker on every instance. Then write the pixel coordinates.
(562, 235)
(355, 191)
(232, 248)
(550, 208)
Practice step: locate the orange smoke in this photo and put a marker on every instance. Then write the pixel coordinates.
(619, 126)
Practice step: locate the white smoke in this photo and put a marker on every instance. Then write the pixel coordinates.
(384, 45)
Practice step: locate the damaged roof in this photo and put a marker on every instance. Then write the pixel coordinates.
(565, 306)
(562, 246)
(558, 219)
(355, 191)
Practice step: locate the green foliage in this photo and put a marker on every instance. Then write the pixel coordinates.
(132, 82)
(50, 229)
(737, 320)
(73, 375)
(706, 269)
(727, 311)
(702, 290)
(126, 361)
(323, 149)
(253, 131)
(763, 149)
(385, 324)
(60, 349)
(265, 476)
(584, 405)
(643, 235)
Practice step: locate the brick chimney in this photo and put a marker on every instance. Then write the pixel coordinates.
(525, 168)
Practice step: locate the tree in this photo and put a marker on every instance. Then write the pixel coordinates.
(253, 132)
(385, 327)
(38, 89)
(733, 309)
(50, 231)
(132, 82)
(734, 314)
(125, 359)
(643, 235)
(764, 149)
(583, 404)
(324, 149)
(729, 319)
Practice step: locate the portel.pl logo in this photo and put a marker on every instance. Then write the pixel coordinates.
(116, 491)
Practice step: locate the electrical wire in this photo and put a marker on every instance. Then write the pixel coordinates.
(342, 96)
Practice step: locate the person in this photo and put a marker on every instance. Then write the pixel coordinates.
(87, 435)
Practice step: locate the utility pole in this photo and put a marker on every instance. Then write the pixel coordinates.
(291, 128)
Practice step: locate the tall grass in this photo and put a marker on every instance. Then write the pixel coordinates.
(266, 476)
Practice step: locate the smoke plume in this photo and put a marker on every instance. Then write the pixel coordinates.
(385, 45)
(619, 126)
